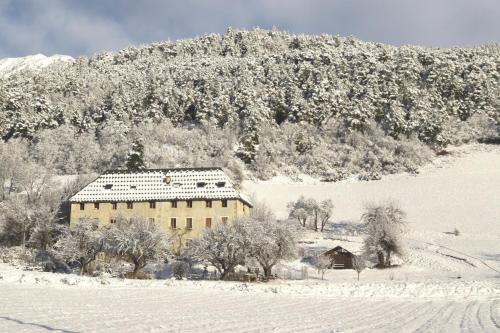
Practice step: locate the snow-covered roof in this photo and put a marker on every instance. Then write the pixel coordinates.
(159, 184)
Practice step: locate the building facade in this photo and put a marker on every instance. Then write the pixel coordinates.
(184, 202)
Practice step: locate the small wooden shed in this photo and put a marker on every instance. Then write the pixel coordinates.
(342, 257)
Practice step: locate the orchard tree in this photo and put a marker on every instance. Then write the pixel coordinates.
(81, 243)
(137, 240)
(224, 247)
(385, 228)
(323, 263)
(301, 210)
(268, 239)
(359, 264)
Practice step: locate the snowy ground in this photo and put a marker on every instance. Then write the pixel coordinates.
(42, 302)
(447, 283)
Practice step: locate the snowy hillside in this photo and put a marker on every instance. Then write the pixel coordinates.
(460, 191)
(9, 66)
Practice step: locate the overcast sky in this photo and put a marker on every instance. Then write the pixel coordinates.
(85, 27)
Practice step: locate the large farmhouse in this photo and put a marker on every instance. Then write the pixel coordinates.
(187, 200)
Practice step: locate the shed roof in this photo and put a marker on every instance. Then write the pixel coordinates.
(160, 184)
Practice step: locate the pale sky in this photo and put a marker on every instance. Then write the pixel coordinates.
(85, 27)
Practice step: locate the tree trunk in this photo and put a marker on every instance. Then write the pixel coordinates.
(137, 267)
(358, 276)
(267, 271)
(381, 261)
(388, 259)
(223, 274)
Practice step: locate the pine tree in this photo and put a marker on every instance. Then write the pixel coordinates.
(135, 157)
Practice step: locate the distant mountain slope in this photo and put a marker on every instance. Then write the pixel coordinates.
(9, 66)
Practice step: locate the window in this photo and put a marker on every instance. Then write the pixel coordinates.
(174, 204)
(96, 205)
(224, 219)
(189, 223)
(220, 184)
(130, 205)
(82, 206)
(224, 203)
(208, 222)
(201, 184)
(108, 186)
(152, 204)
(173, 223)
(114, 205)
(112, 221)
(151, 219)
(208, 203)
(189, 203)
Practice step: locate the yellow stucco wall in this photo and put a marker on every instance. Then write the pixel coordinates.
(163, 213)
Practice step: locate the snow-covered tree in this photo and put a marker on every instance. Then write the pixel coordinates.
(137, 240)
(135, 157)
(224, 247)
(385, 228)
(268, 240)
(81, 244)
(301, 210)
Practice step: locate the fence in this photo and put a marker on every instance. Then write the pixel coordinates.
(290, 273)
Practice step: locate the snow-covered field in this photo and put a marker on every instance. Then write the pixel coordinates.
(448, 283)
(41, 302)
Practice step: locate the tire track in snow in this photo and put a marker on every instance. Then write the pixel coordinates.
(429, 322)
(495, 305)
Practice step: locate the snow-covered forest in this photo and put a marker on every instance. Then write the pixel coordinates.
(258, 100)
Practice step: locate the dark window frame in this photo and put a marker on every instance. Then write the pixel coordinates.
(208, 222)
(189, 223)
(173, 204)
(189, 203)
(114, 205)
(130, 205)
(96, 205)
(208, 203)
(152, 204)
(173, 223)
(82, 206)
(224, 203)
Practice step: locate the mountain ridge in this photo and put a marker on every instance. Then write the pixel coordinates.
(9, 66)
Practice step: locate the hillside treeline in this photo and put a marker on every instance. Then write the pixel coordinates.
(322, 105)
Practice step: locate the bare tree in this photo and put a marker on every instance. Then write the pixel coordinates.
(81, 243)
(359, 264)
(12, 155)
(137, 240)
(385, 226)
(224, 247)
(323, 263)
(178, 239)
